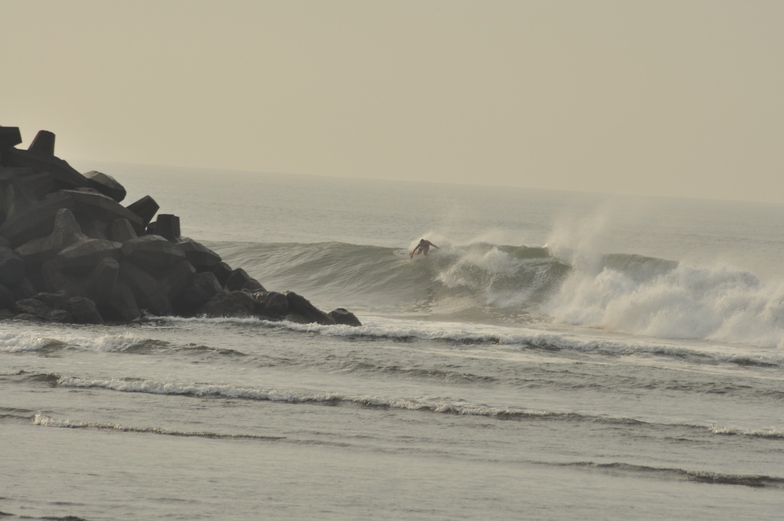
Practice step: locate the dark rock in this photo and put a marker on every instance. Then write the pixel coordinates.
(34, 220)
(345, 317)
(121, 230)
(147, 291)
(43, 143)
(61, 316)
(100, 207)
(222, 272)
(64, 235)
(152, 251)
(40, 156)
(55, 280)
(106, 184)
(235, 304)
(84, 311)
(54, 301)
(239, 280)
(27, 316)
(271, 304)
(10, 137)
(84, 256)
(201, 288)
(32, 184)
(174, 280)
(94, 228)
(200, 256)
(145, 208)
(25, 289)
(7, 297)
(66, 231)
(100, 283)
(33, 307)
(122, 304)
(168, 227)
(7, 204)
(12, 267)
(38, 219)
(300, 306)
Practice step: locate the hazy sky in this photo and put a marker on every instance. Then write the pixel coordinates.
(682, 97)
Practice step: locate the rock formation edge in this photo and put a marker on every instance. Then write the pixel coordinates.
(70, 252)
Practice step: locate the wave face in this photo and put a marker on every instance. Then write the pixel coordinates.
(471, 281)
(483, 282)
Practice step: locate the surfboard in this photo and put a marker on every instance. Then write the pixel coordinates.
(406, 254)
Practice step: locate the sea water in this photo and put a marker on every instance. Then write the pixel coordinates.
(558, 356)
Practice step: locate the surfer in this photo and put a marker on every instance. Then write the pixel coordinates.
(423, 247)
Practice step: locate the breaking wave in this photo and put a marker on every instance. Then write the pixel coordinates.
(483, 282)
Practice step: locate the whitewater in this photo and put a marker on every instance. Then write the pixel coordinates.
(560, 356)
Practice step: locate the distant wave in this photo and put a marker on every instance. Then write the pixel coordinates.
(48, 421)
(439, 406)
(748, 480)
(482, 282)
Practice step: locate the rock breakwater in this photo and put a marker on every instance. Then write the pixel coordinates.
(71, 252)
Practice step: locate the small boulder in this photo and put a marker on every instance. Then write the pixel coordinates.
(174, 280)
(271, 304)
(53, 301)
(198, 292)
(235, 304)
(222, 272)
(106, 184)
(33, 307)
(148, 293)
(9, 137)
(145, 208)
(152, 251)
(301, 307)
(84, 311)
(202, 258)
(239, 280)
(122, 304)
(168, 227)
(61, 316)
(345, 317)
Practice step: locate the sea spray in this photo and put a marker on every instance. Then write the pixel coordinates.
(721, 304)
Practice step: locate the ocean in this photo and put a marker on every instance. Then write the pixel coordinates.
(559, 356)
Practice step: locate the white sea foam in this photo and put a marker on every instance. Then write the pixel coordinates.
(720, 304)
(477, 334)
(16, 342)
